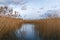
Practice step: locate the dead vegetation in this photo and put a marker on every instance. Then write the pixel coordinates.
(9, 25)
(48, 29)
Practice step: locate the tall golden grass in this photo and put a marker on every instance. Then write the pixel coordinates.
(46, 27)
(8, 25)
(49, 29)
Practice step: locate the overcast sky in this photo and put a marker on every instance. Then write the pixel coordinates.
(32, 7)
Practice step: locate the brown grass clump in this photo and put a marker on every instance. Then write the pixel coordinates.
(8, 25)
(48, 29)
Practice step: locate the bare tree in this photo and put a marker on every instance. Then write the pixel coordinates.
(8, 12)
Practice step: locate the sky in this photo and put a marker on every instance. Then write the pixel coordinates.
(32, 8)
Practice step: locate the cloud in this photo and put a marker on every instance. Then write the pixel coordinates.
(21, 2)
(5, 2)
(2, 0)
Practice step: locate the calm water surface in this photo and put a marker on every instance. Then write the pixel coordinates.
(27, 32)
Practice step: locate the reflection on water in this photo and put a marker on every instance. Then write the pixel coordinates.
(26, 32)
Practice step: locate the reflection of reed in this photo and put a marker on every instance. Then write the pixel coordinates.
(23, 34)
(46, 28)
(10, 36)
